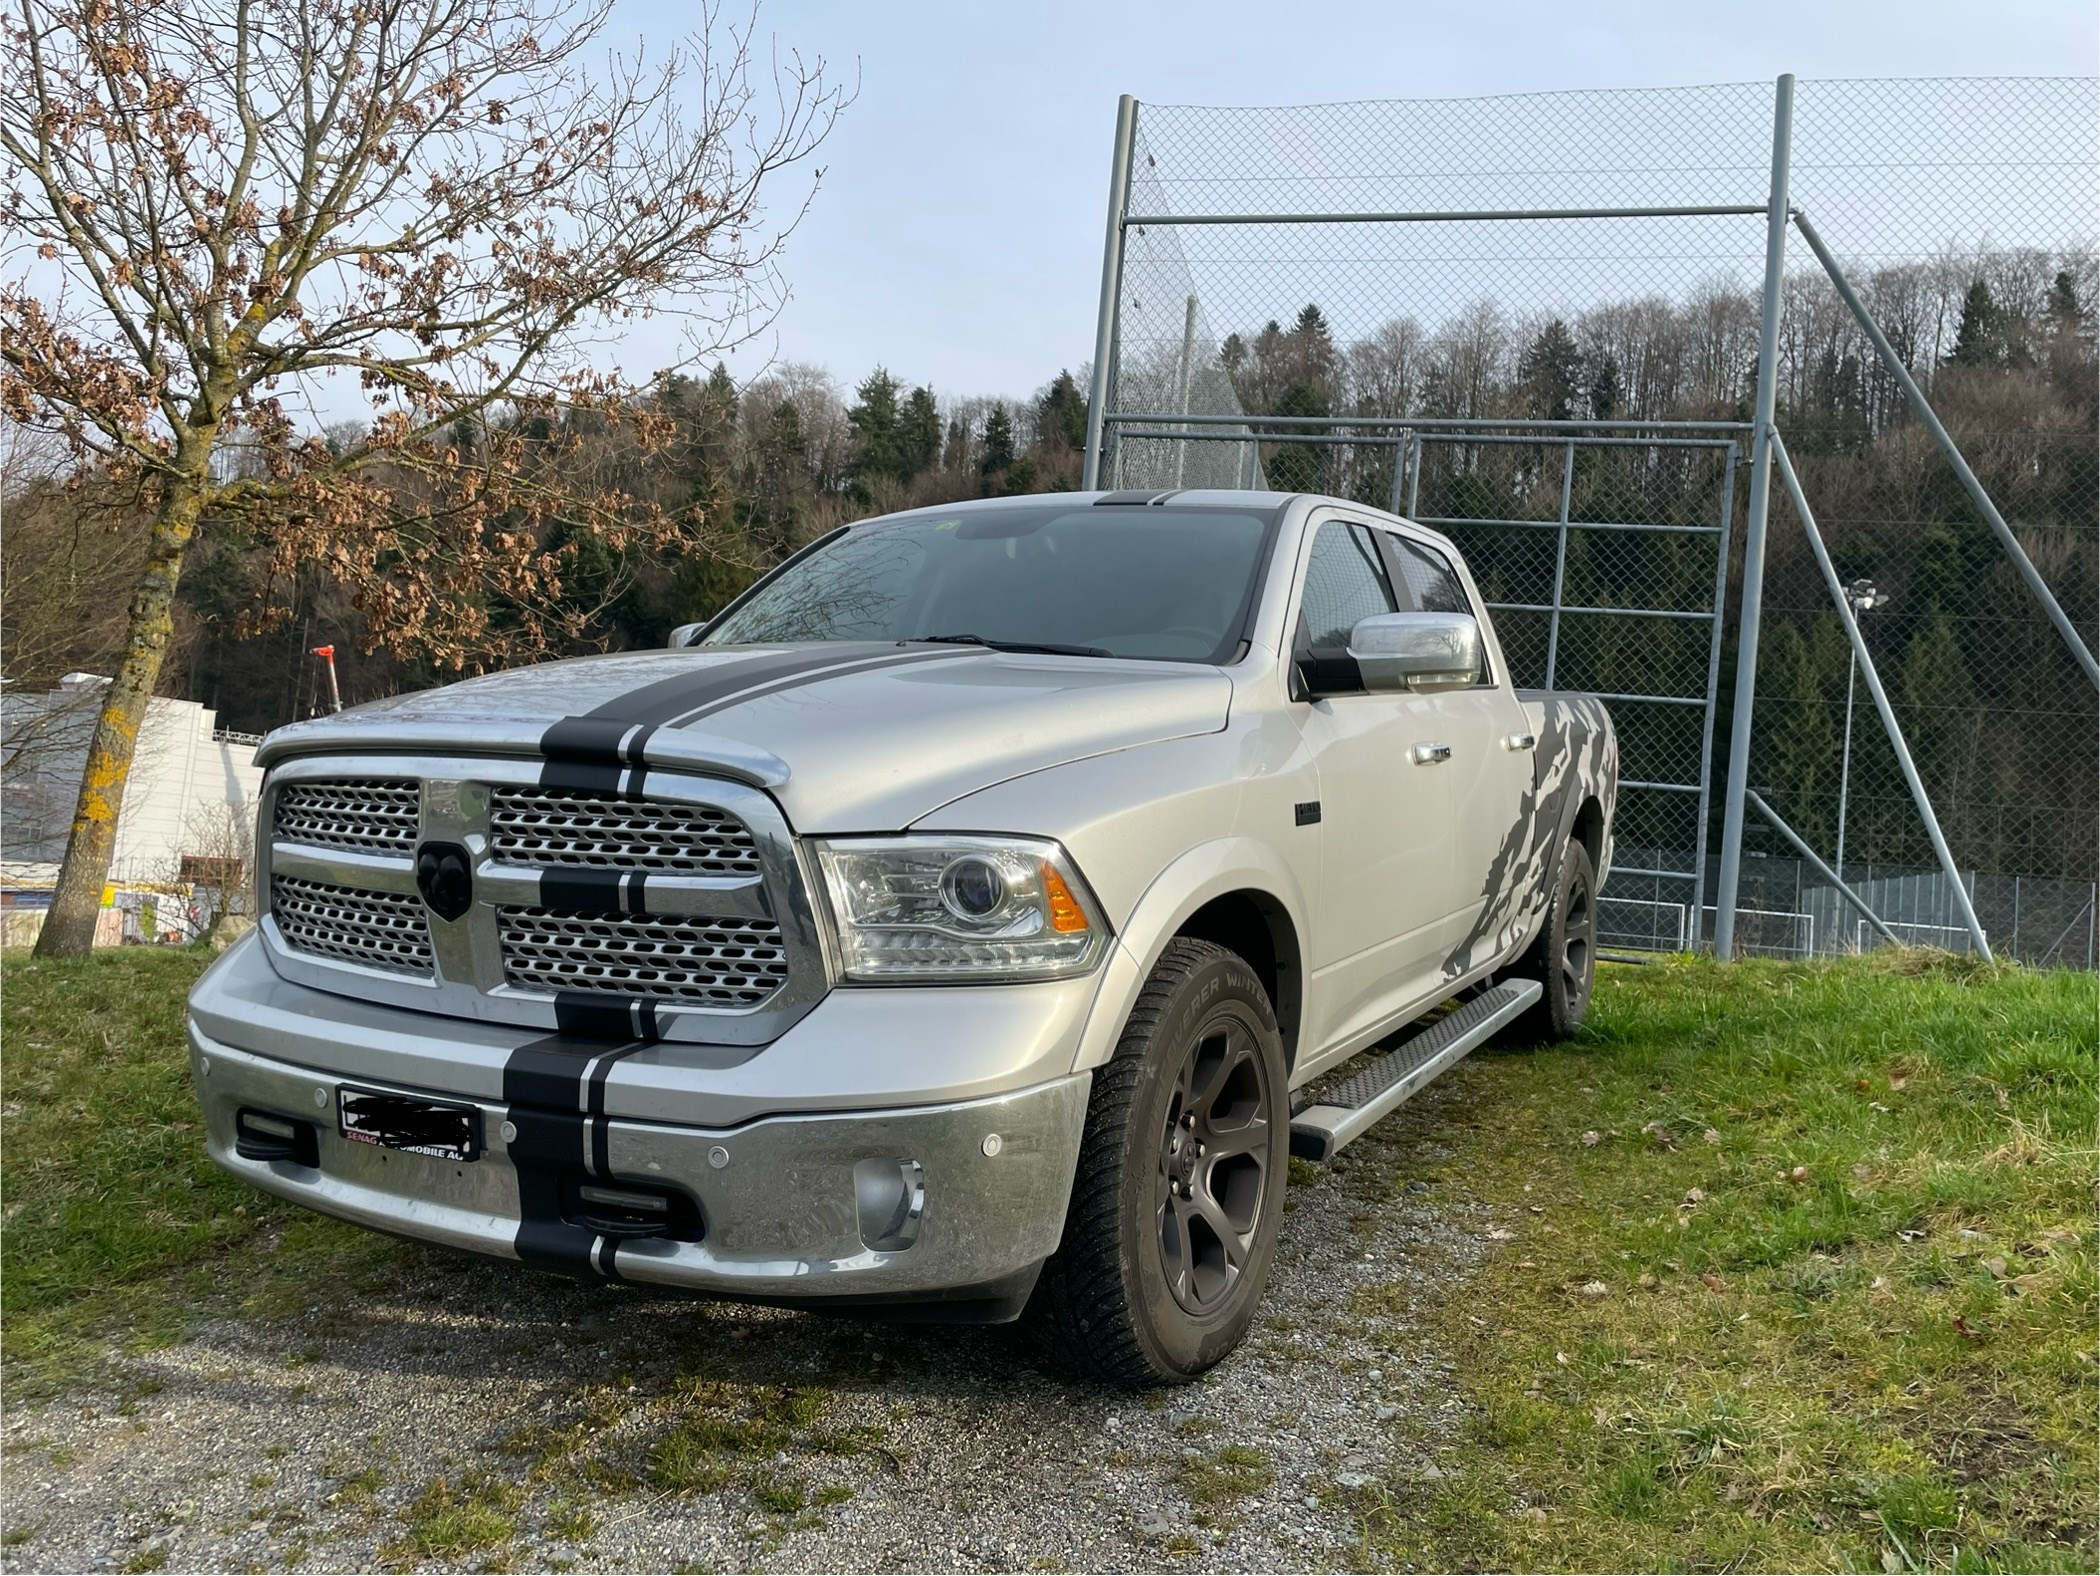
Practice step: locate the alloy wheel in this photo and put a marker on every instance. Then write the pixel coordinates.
(1213, 1163)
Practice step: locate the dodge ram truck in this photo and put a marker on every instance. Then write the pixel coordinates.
(971, 920)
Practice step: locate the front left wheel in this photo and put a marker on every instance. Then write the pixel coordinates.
(1179, 1194)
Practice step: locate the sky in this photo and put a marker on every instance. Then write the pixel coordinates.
(956, 235)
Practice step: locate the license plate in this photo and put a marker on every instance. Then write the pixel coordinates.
(418, 1127)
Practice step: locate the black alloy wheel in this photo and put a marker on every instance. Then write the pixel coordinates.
(1213, 1161)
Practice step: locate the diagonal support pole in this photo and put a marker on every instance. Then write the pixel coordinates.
(1922, 407)
(1810, 857)
(1911, 779)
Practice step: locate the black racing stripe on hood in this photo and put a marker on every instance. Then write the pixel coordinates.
(655, 704)
(603, 751)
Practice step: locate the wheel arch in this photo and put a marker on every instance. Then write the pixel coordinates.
(1233, 892)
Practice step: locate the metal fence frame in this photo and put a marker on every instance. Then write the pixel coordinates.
(1767, 459)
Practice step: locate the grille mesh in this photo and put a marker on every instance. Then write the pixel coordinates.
(688, 958)
(368, 817)
(381, 930)
(539, 826)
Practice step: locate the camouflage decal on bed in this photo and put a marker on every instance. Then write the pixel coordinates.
(1576, 750)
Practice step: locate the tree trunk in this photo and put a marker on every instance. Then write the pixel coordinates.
(69, 927)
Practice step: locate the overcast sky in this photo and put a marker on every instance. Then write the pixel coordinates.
(957, 233)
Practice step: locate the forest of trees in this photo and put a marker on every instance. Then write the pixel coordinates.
(2002, 724)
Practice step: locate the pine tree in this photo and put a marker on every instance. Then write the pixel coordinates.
(1297, 467)
(1979, 339)
(1607, 389)
(1800, 742)
(998, 452)
(1060, 414)
(1312, 353)
(1938, 714)
(873, 417)
(1551, 370)
(918, 434)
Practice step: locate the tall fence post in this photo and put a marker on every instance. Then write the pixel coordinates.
(1188, 373)
(1105, 322)
(1754, 522)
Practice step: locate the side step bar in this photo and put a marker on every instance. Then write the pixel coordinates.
(1350, 1109)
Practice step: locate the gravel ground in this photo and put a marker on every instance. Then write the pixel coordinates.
(475, 1417)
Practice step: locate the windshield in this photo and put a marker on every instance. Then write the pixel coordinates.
(1173, 584)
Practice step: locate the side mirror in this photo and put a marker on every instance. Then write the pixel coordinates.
(1417, 651)
(687, 635)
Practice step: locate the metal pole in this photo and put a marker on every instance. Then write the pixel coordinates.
(1926, 415)
(1713, 691)
(1560, 566)
(1414, 480)
(1881, 701)
(1845, 768)
(1808, 856)
(1400, 448)
(1188, 368)
(1754, 523)
(1106, 321)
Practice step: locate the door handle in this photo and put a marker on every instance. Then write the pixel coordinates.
(1430, 754)
(1520, 741)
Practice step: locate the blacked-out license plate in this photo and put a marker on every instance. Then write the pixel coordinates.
(419, 1127)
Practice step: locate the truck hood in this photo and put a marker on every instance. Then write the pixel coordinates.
(848, 737)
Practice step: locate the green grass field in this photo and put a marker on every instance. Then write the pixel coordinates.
(1791, 1267)
(1799, 1275)
(118, 1230)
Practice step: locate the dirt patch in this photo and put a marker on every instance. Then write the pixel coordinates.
(476, 1415)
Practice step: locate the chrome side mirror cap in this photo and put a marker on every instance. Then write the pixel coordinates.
(687, 635)
(1417, 651)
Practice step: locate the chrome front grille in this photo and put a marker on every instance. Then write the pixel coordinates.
(688, 896)
(376, 817)
(553, 829)
(683, 958)
(380, 930)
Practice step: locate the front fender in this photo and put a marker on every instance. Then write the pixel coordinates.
(1207, 871)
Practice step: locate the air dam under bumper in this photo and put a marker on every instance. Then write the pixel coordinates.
(940, 1203)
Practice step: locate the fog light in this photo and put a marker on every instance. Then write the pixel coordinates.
(890, 1196)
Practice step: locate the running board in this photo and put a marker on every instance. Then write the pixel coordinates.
(1350, 1109)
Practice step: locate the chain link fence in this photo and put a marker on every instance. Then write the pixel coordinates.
(1419, 305)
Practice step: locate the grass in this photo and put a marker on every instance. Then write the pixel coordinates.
(1790, 1267)
(116, 1222)
(449, 1520)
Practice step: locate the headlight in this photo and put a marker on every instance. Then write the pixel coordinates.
(959, 908)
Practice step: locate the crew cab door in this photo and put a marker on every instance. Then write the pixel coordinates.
(1385, 893)
(1488, 773)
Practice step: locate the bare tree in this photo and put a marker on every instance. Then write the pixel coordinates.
(445, 202)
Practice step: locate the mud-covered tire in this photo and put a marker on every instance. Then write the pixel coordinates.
(1187, 1142)
(1563, 958)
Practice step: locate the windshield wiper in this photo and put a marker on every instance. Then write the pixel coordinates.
(1031, 647)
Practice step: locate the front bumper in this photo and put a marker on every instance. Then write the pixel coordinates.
(905, 1196)
(929, 1203)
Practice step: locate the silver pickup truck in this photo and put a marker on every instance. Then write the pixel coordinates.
(973, 918)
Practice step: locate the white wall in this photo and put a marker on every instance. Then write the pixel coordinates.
(189, 793)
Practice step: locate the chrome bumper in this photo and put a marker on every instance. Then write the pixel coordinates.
(931, 1202)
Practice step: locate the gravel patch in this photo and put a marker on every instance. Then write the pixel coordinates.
(476, 1416)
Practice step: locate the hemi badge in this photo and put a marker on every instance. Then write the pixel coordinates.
(1309, 813)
